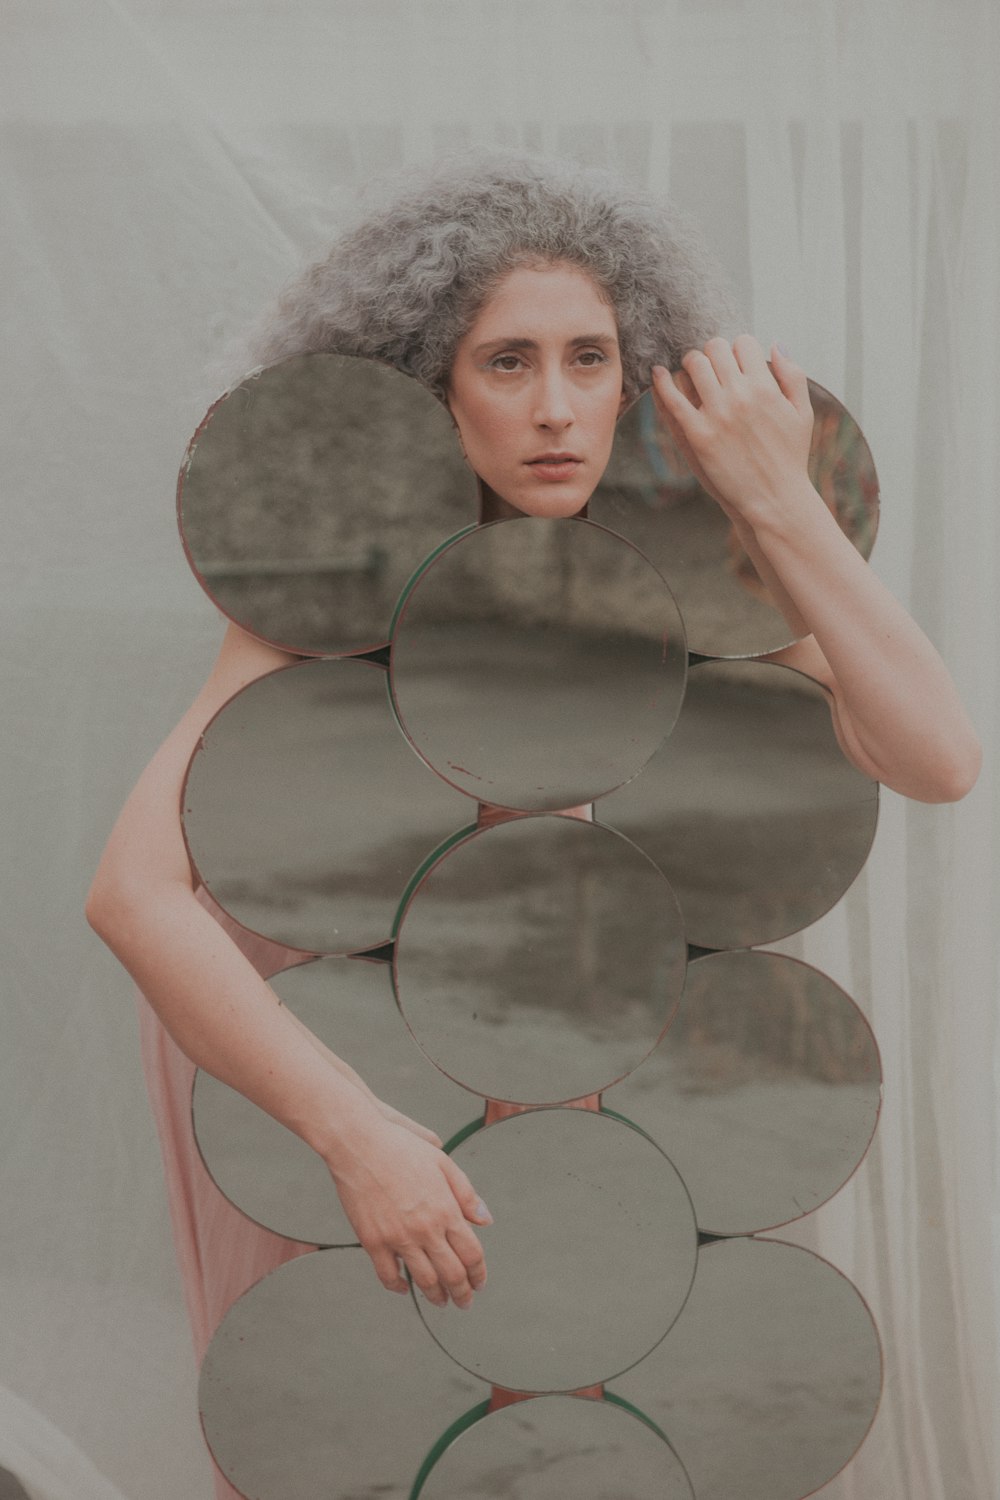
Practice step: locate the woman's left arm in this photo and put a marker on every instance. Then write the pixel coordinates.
(745, 428)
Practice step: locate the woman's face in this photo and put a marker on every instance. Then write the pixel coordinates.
(536, 389)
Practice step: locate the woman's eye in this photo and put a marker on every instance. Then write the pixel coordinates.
(592, 357)
(508, 362)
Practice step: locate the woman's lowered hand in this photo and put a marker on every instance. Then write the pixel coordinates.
(411, 1206)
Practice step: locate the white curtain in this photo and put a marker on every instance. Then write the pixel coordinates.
(166, 165)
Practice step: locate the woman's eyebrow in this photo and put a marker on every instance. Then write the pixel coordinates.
(606, 339)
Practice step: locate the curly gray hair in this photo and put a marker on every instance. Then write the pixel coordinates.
(406, 282)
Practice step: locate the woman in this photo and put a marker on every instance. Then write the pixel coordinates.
(536, 301)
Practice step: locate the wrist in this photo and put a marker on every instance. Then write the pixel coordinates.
(341, 1129)
(790, 511)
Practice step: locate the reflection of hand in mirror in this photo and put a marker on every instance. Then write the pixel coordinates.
(746, 428)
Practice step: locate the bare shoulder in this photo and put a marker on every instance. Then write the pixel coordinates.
(242, 658)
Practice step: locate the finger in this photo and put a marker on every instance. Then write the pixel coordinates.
(388, 1271)
(685, 395)
(470, 1253)
(468, 1199)
(792, 379)
(723, 361)
(677, 402)
(682, 380)
(702, 374)
(749, 355)
(424, 1275)
(451, 1274)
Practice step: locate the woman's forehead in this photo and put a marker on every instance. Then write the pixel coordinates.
(549, 295)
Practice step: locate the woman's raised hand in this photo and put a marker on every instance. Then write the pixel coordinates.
(744, 426)
(410, 1203)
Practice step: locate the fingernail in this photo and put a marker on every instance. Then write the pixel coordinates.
(482, 1212)
(660, 370)
(783, 350)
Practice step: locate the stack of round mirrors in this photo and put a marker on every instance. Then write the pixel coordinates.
(514, 824)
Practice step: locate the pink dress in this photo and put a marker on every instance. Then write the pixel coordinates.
(219, 1250)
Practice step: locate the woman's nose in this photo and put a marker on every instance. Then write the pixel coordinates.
(553, 406)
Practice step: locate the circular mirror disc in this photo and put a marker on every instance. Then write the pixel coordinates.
(536, 664)
(319, 1382)
(751, 809)
(306, 812)
(590, 1257)
(770, 1379)
(540, 959)
(649, 495)
(766, 1090)
(267, 1171)
(310, 493)
(555, 1447)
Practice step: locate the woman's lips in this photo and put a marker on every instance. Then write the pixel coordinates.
(554, 468)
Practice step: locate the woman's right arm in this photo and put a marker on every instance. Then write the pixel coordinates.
(405, 1198)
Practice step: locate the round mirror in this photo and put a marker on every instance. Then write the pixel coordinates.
(591, 1255)
(319, 1382)
(556, 1447)
(751, 809)
(649, 495)
(306, 812)
(765, 1091)
(312, 490)
(269, 1172)
(536, 664)
(771, 1377)
(540, 959)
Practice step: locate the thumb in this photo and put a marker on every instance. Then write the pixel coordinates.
(468, 1199)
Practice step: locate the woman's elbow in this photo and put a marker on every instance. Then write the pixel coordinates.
(103, 908)
(958, 771)
(947, 776)
(119, 901)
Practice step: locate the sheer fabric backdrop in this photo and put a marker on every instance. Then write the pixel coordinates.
(166, 166)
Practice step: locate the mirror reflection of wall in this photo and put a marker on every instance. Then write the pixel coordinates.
(310, 492)
(314, 488)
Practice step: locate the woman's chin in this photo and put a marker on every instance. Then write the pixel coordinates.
(549, 502)
(552, 501)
